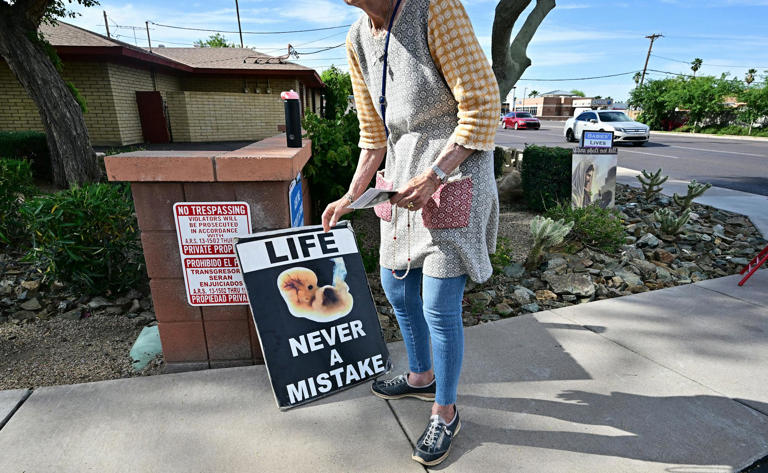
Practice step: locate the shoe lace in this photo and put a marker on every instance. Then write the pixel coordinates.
(432, 431)
(396, 380)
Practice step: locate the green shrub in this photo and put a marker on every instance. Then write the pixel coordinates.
(503, 256)
(87, 236)
(546, 175)
(15, 187)
(368, 253)
(334, 158)
(29, 145)
(592, 225)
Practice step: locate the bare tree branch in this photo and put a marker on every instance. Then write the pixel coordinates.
(510, 60)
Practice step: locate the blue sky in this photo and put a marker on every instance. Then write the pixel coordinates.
(577, 39)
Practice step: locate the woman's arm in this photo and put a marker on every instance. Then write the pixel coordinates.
(373, 142)
(459, 57)
(367, 165)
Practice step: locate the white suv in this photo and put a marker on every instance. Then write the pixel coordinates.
(625, 130)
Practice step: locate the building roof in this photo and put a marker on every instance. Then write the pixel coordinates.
(227, 58)
(558, 92)
(73, 42)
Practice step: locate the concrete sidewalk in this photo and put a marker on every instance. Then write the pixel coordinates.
(754, 206)
(670, 380)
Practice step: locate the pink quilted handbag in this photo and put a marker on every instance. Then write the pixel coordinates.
(384, 209)
(450, 206)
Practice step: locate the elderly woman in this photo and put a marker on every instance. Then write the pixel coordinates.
(428, 105)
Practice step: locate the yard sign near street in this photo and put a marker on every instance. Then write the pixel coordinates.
(596, 139)
(314, 313)
(205, 231)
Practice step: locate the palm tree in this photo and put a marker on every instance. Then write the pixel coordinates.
(636, 78)
(534, 93)
(696, 65)
(750, 77)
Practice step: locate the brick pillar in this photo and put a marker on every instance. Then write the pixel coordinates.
(197, 337)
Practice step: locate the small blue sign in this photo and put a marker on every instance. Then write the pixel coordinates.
(596, 139)
(296, 197)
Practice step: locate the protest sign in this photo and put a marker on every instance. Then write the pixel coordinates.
(205, 231)
(593, 177)
(314, 313)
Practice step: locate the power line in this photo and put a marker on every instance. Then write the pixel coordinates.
(705, 64)
(250, 32)
(579, 78)
(322, 50)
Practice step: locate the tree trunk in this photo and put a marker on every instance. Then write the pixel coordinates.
(73, 160)
(510, 59)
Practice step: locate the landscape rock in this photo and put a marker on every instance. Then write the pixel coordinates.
(98, 303)
(576, 284)
(31, 285)
(629, 277)
(648, 241)
(545, 295)
(480, 298)
(490, 317)
(135, 307)
(523, 295)
(32, 304)
(664, 256)
(503, 309)
(514, 270)
(534, 307)
(23, 315)
(555, 263)
(73, 314)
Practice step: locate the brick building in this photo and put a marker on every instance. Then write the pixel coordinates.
(553, 104)
(168, 94)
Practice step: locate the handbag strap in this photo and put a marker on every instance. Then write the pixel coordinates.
(383, 96)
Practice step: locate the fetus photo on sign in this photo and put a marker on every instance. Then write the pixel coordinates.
(307, 298)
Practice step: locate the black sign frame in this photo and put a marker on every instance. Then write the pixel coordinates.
(304, 350)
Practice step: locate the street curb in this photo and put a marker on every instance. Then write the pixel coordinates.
(706, 135)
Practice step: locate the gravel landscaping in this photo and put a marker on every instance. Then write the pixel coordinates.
(714, 243)
(49, 335)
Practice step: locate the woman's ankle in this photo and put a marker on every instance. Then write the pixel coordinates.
(421, 379)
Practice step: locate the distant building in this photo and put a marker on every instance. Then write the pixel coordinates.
(560, 104)
(168, 94)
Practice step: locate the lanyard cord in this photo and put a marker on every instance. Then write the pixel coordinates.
(382, 97)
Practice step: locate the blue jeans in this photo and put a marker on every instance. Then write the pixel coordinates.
(437, 316)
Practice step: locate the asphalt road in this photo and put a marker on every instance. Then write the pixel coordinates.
(733, 164)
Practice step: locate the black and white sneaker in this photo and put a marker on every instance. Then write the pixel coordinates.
(398, 388)
(435, 443)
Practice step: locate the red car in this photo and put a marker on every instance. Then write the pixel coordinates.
(518, 120)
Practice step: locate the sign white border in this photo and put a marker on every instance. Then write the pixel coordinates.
(228, 255)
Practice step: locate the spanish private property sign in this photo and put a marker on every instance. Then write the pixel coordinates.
(314, 313)
(596, 139)
(205, 231)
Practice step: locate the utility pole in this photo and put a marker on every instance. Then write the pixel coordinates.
(240, 29)
(106, 23)
(652, 38)
(149, 41)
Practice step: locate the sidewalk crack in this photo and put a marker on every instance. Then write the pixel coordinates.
(16, 408)
(402, 427)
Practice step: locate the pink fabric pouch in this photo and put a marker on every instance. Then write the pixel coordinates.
(450, 206)
(384, 209)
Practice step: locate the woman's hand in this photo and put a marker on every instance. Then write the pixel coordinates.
(334, 211)
(418, 191)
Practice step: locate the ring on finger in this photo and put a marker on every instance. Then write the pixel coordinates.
(410, 205)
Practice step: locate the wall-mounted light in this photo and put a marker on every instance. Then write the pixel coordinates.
(269, 89)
